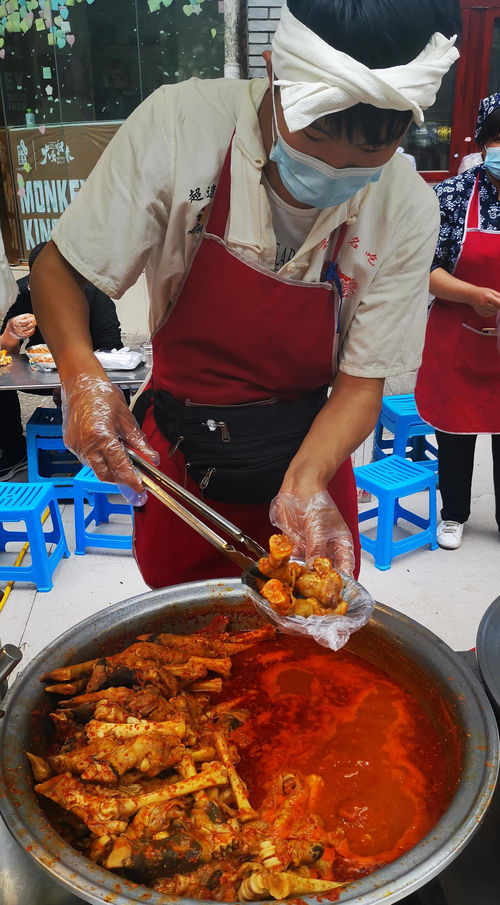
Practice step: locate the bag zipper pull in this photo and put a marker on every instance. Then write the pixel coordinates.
(175, 447)
(206, 478)
(226, 436)
(213, 425)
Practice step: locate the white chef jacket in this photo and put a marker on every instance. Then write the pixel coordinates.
(145, 204)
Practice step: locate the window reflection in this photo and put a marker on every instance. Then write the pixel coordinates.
(494, 84)
(98, 61)
(70, 74)
(430, 143)
(173, 46)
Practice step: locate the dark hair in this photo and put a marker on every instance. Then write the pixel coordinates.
(490, 128)
(34, 253)
(380, 34)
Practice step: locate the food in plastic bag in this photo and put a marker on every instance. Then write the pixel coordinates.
(315, 527)
(320, 602)
(295, 590)
(40, 358)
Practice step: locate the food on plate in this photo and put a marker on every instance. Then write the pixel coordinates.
(239, 766)
(294, 590)
(4, 358)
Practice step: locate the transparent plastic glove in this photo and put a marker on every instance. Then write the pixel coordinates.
(316, 528)
(21, 327)
(96, 424)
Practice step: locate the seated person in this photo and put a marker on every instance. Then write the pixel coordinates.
(19, 324)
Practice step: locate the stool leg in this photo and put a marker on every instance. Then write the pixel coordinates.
(41, 573)
(4, 537)
(32, 451)
(400, 443)
(433, 517)
(383, 545)
(101, 508)
(418, 447)
(377, 441)
(79, 514)
(58, 534)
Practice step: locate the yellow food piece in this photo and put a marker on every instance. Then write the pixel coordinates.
(294, 590)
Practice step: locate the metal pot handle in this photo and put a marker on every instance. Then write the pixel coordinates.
(10, 656)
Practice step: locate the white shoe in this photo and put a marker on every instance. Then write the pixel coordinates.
(449, 534)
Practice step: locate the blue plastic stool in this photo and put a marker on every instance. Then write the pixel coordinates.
(88, 488)
(27, 503)
(389, 480)
(48, 459)
(400, 417)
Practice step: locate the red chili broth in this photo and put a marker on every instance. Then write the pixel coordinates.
(340, 717)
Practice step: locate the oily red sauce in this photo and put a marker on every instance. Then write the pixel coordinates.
(340, 717)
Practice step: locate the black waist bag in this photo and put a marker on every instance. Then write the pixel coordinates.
(237, 453)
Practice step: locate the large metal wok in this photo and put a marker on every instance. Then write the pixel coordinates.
(451, 695)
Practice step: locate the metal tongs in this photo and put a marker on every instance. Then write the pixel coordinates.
(165, 490)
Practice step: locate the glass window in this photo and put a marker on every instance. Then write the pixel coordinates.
(87, 62)
(494, 84)
(99, 76)
(174, 46)
(430, 143)
(71, 73)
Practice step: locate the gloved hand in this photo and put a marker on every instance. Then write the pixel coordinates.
(21, 327)
(316, 528)
(96, 424)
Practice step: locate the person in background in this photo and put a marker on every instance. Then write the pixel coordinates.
(8, 288)
(201, 187)
(19, 324)
(458, 384)
(12, 447)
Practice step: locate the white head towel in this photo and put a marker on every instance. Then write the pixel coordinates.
(317, 80)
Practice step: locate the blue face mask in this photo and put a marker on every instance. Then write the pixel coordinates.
(492, 162)
(313, 182)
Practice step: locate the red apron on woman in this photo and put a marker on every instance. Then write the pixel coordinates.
(458, 384)
(238, 334)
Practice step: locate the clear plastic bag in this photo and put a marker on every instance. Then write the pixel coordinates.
(316, 528)
(329, 631)
(119, 359)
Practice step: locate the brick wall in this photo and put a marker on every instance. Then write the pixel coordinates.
(263, 17)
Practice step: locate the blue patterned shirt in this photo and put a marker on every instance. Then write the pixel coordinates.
(454, 195)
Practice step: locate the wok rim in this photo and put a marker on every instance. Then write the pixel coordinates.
(430, 856)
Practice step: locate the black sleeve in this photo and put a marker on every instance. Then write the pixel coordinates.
(104, 325)
(22, 304)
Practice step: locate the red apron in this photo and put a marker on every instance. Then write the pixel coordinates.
(458, 384)
(237, 334)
